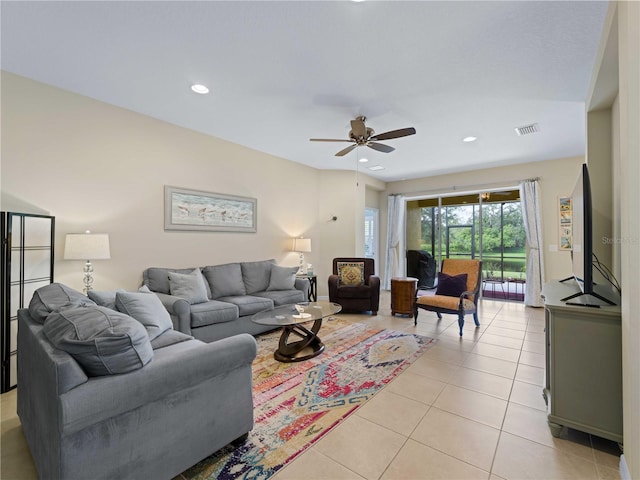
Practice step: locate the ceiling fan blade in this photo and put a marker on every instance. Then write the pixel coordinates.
(342, 153)
(403, 132)
(381, 147)
(358, 128)
(330, 140)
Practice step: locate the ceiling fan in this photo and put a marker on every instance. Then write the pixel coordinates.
(361, 135)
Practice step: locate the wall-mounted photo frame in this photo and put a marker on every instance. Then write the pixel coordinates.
(566, 223)
(195, 210)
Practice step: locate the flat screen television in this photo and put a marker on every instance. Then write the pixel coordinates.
(582, 244)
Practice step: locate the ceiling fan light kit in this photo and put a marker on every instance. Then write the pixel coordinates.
(361, 135)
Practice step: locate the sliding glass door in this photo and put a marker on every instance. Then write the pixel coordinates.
(485, 225)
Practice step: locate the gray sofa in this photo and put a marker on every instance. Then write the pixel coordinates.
(234, 292)
(150, 410)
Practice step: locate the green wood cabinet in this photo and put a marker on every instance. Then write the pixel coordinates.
(583, 364)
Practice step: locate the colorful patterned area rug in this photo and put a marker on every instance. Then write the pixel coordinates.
(297, 403)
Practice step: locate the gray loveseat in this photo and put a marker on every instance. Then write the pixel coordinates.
(234, 292)
(150, 410)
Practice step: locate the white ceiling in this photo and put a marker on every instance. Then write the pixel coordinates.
(283, 72)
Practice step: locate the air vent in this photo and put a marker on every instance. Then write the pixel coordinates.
(527, 129)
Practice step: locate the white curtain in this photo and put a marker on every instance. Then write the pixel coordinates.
(532, 216)
(395, 230)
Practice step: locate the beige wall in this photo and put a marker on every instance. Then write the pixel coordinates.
(557, 178)
(616, 78)
(98, 167)
(600, 163)
(95, 166)
(629, 193)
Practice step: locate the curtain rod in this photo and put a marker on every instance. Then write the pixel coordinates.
(456, 188)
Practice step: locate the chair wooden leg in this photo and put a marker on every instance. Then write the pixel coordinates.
(461, 322)
(415, 316)
(439, 315)
(475, 319)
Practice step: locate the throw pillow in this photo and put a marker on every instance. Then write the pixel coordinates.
(282, 278)
(101, 340)
(52, 298)
(188, 286)
(451, 285)
(147, 309)
(225, 280)
(104, 298)
(255, 275)
(350, 273)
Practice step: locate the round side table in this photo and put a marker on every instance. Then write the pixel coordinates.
(403, 295)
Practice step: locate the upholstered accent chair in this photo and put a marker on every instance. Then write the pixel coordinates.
(459, 283)
(354, 285)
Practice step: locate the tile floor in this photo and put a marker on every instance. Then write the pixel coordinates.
(470, 407)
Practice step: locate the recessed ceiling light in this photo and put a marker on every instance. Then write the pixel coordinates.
(376, 168)
(201, 89)
(469, 139)
(363, 160)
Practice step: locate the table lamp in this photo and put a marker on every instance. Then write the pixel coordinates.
(87, 246)
(301, 245)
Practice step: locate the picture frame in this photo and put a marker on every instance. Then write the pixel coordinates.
(197, 210)
(565, 223)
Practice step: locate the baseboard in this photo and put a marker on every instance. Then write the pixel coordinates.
(625, 474)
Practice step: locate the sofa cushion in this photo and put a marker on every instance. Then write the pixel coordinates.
(104, 298)
(451, 285)
(225, 280)
(213, 311)
(283, 297)
(52, 297)
(256, 275)
(157, 279)
(147, 309)
(282, 278)
(249, 304)
(101, 340)
(190, 286)
(350, 273)
(107, 298)
(355, 291)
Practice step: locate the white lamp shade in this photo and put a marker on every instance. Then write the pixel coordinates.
(86, 246)
(301, 244)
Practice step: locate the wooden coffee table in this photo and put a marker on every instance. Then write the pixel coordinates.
(297, 342)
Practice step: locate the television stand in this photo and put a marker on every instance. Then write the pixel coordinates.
(595, 296)
(583, 374)
(587, 296)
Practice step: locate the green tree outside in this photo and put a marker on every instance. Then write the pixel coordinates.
(503, 235)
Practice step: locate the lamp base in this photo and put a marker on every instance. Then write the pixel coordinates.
(88, 277)
(301, 269)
